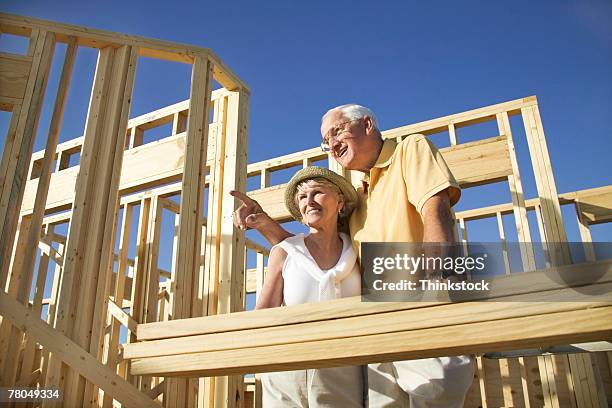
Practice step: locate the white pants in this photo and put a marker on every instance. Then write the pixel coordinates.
(316, 388)
(427, 383)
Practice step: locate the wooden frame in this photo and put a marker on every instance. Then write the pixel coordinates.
(204, 158)
(85, 261)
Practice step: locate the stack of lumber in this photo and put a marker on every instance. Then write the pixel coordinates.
(542, 308)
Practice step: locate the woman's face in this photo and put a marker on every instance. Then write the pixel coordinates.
(319, 205)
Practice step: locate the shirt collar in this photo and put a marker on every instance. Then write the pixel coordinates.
(384, 159)
(386, 153)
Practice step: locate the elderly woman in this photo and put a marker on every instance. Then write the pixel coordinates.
(319, 266)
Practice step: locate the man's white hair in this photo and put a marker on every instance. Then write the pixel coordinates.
(352, 111)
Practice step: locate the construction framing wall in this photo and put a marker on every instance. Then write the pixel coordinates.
(77, 348)
(175, 352)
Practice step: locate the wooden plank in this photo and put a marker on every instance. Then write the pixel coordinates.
(19, 25)
(255, 276)
(286, 161)
(4, 264)
(402, 320)
(478, 162)
(272, 201)
(147, 166)
(518, 198)
(86, 233)
(72, 354)
(27, 258)
(551, 212)
(548, 172)
(482, 382)
(549, 386)
(524, 382)
(595, 204)
(119, 286)
(504, 370)
(192, 187)
(585, 233)
(502, 237)
(98, 251)
(208, 280)
(570, 381)
(466, 118)
(452, 135)
(19, 143)
(472, 164)
(587, 384)
(136, 137)
(579, 378)
(179, 123)
(121, 316)
(254, 246)
(10, 335)
(260, 275)
(28, 361)
(464, 339)
(189, 233)
(14, 73)
(152, 256)
(140, 269)
(229, 392)
(47, 250)
(528, 282)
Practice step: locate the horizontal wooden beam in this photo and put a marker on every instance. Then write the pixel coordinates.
(286, 161)
(586, 324)
(474, 163)
(147, 47)
(433, 315)
(480, 162)
(467, 118)
(14, 73)
(254, 246)
(515, 284)
(21, 25)
(272, 200)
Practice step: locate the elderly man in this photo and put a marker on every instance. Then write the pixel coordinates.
(406, 195)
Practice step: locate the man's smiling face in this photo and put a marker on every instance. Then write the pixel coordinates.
(350, 141)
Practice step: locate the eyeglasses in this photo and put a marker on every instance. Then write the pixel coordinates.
(334, 134)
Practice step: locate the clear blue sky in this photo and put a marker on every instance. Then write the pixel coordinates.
(407, 60)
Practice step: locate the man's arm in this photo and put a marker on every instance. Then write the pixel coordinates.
(251, 215)
(438, 226)
(437, 219)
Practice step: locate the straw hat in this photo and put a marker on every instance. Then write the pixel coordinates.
(309, 173)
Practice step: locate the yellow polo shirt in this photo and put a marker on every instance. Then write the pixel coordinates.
(404, 177)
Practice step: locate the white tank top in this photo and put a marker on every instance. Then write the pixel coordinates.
(305, 282)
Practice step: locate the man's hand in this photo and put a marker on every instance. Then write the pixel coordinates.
(249, 214)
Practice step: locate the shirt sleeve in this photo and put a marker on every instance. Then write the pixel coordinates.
(425, 172)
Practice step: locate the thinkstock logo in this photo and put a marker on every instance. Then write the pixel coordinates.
(483, 272)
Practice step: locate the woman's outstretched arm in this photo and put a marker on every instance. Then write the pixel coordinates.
(271, 294)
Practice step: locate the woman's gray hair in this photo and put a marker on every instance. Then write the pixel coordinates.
(353, 111)
(346, 209)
